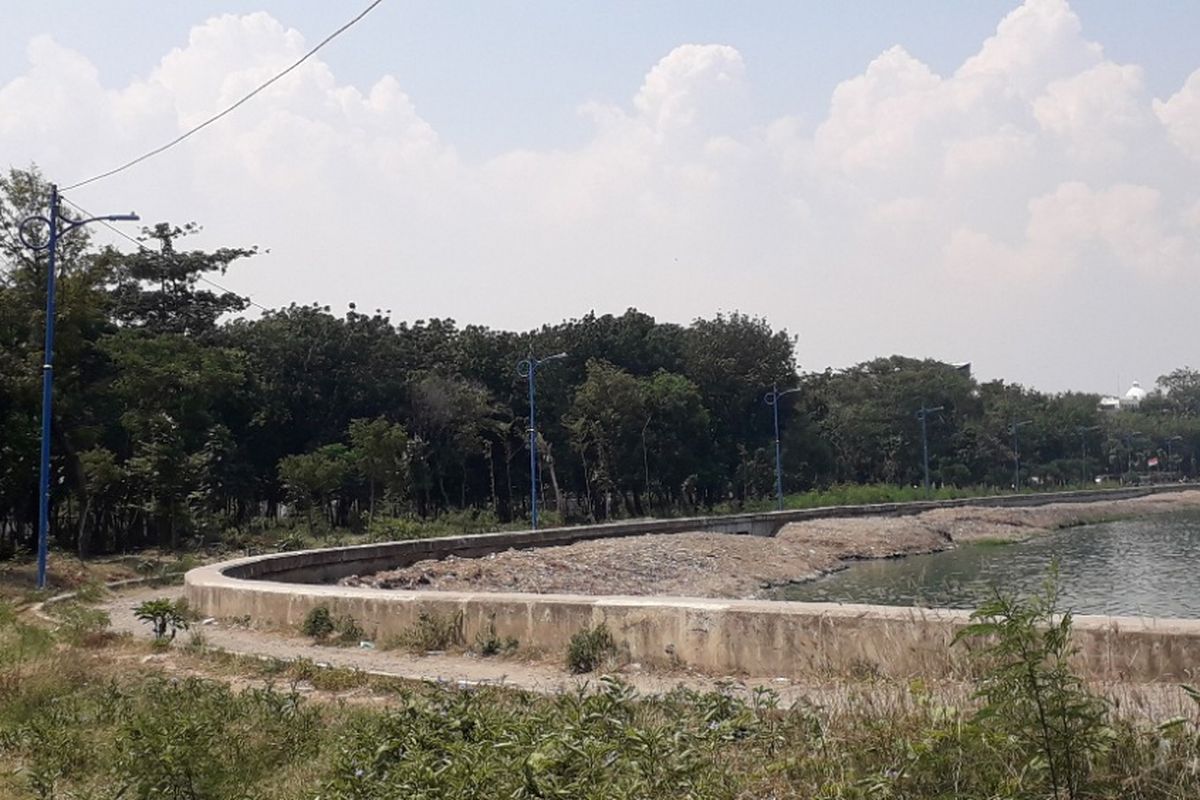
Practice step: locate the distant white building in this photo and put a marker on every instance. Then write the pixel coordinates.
(1134, 397)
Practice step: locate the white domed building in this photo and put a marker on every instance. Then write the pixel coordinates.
(1134, 397)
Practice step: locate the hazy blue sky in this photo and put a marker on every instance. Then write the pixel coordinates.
(1024, 199)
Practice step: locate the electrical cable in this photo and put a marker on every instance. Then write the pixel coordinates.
(220, 114)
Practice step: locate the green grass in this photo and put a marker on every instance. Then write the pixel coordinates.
(89, 722)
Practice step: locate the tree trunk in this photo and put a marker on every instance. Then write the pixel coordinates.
(84, 542)
(559, 504)
(508, 457)
(587, 485)
(489, 452)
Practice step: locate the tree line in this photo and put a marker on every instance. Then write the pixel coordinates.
(177, 419)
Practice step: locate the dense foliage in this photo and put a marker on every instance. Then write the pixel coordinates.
(177, 420)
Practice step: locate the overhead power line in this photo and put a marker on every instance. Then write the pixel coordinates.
(227, 110)
(142, 246)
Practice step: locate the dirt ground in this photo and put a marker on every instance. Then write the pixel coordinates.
(722, 565)
(543, 674)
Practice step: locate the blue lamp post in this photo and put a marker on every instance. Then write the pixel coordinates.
(1013, 428)
(527, 368)
(58, 225)
(922, 414)
(772, 399)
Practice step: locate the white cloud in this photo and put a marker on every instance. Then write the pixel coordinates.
(1098, 112)
(1040, 41)
(1181, 116)
(911, 207)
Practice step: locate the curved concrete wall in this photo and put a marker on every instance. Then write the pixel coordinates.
(762, 638)
(331, 564)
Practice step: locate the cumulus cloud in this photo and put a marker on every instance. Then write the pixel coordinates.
(1039, 173)
(1181, 116)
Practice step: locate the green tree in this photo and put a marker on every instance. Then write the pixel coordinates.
(606, 422)
(379, 449)
(313, 479)
(156, 289)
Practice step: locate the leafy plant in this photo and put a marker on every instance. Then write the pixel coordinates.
(165, 618)
(590, 648)
(318, 623)
(321, 624)
(1031, 695)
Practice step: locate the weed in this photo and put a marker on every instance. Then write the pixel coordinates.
(430, 632)
(1030, 694)
(348, 630)
(590, 649)
(82, 626)
(293, 540)
(488, 643)
(336, 679)
(90, 592)
(197, 643)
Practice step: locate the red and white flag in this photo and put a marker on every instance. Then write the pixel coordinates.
(1152, 462)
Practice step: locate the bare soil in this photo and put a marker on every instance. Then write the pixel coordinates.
(722, 565)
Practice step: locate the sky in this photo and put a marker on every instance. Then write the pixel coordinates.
(1014, 185)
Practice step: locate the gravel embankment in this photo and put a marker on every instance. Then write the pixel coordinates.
(722, 565)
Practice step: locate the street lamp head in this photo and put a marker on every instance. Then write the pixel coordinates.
(555, 356)
(773, 396)
(130, 217)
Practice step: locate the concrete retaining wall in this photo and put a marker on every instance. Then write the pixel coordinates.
(723, 637)
(761, 638)
(331, 564)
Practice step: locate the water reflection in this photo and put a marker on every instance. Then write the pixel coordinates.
(1144, 567)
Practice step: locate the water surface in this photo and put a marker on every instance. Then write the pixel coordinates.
(1148, 566)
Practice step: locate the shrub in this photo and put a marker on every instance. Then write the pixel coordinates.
(195, 739)
(164, 617)
(318, 623)
(590, 649)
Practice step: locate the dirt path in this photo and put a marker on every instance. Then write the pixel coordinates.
(458, 669)
(1145, 701)
(721, 565)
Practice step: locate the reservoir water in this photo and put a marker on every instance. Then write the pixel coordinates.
(1148, 567)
